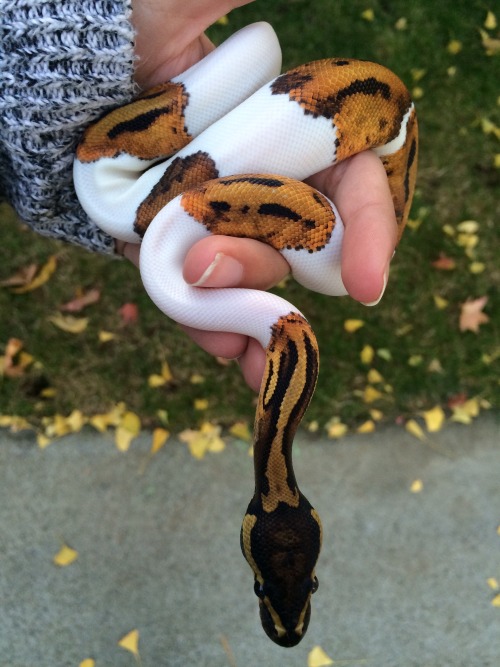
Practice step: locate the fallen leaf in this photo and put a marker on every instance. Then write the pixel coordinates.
(367, 354)
(160, 437)
(40, 278)
(496, 601)
(376, 415)
(412, 427)
(242, 431)
(493, 583)
(454, 47)
(466, 411)
(22, 277)
(472, 316)
(416, 486)
(106, 336)
(80, 302)
(444, 263)
(128, 429)
(201, 404)
(68, 323)
(434, 419)
(490, 44)
(401, 23)
(89, 662)
(207, 439)
(367, 427)
(318, 658)
(335, 428)
(163, 378)
(129, 313)
(368, 15)
(353, 325)
(490, 22)
(370, 394)
(477, 267)
(374, 377)
(130, 642)
(440, 302)
(65, 556)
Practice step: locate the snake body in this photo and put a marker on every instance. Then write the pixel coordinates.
(200, 156)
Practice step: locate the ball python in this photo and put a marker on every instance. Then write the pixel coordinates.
(223, 149)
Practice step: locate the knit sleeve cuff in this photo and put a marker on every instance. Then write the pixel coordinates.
(63, 65)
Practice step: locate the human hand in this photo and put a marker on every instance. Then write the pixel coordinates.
(170, 39)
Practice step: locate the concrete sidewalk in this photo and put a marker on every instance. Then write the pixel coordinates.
(403, 576)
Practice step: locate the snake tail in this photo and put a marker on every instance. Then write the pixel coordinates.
(281, 531)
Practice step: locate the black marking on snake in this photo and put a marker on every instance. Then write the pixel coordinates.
(254, 180)
(279, 211)
(341, 63)
(285, 83)
(244, 209)
(139, 123)
(332, 104)
(220, 206)
(411, 159)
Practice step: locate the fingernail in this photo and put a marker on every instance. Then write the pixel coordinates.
(374, 303)
(224, 271)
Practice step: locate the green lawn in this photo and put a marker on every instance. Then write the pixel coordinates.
(419, 352)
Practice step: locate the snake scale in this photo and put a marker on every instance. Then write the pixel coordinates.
(222, 149)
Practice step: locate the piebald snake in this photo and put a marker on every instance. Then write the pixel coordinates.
(222, 149)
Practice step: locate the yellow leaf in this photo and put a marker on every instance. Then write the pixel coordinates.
(196, 378)
(401, 23)
(435, 366)
(318, 658)
(434, 419)
(130, 642)
(490, 22)
(69, 323)
(385, 354)
(106, 336)
(417, 93)
(454, 47)
(367, 354)
(65, 556)
(335, 428)
(451, 71)
(14, 422)
(241, 430)
(42, 440)
(367, 427)
(496, 601)
(41, 278)
(368, 15)
(76, 421)
(493, 583)
(417, 73)
(439, 302)
(160, 437)
(491, 45)
(200, 404)
(353, 325)
(223, 20)
(87, 663)
(207, 439)
(417, 486)
(496, 160)
(128, 428)
(477, 267)
(376, 415)
(413, 428)
(468, 226)
(374, 376)
(415, 360)
(371, 394)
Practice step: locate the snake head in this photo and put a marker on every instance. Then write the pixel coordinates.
(282, 548)
(286, 623)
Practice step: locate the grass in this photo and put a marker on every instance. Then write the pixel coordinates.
(419, 351)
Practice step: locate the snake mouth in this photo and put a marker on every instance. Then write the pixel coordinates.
(283, 636)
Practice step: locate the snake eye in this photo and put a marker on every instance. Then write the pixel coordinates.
(259, 589)
(314, 585)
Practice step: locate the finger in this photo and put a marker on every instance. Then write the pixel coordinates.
(360, 190)
(224, 261)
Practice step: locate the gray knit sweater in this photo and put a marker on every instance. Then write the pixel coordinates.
(62, 63)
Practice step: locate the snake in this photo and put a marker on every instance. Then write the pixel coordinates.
(224, 148)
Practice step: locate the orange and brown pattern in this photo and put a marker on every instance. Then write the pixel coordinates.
(279, 211)
(150, 127)
(367, 104)
(182, 174)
